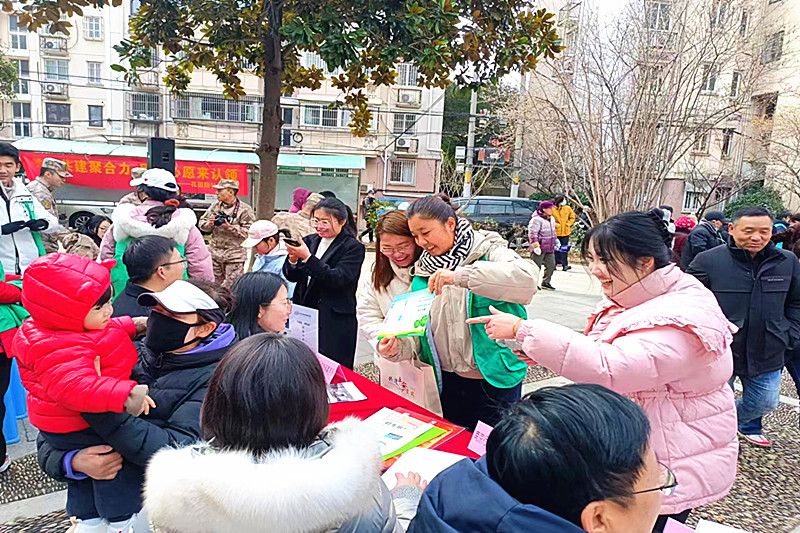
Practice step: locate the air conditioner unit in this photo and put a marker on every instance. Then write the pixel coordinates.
(50, 44)
(403, 143)
(364, 188)
(406, 144)
(55, 88)
(55, 133)
(408, 98)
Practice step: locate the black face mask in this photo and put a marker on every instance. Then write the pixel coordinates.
(166, 334)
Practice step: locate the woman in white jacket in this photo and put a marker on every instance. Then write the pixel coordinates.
(391, 277)
(270, 463)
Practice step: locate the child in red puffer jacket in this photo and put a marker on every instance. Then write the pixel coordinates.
(74, 358)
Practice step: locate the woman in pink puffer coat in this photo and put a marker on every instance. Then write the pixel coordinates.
(660, 338)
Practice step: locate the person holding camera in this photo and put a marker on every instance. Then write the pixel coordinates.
(227, 220)
(22, 217)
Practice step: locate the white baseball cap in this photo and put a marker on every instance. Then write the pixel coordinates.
(259, 230)
(158, 178)
(180, 297)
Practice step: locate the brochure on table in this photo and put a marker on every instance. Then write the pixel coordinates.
(304, 325)
(427, 463)
(396, 430)
(408, 315)
(344, 392)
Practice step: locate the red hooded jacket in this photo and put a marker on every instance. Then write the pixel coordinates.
(56, 354)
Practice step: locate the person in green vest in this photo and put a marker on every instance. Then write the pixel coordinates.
(163, 212)
(469, 271)
(11, 317)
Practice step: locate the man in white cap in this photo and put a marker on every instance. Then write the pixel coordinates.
(52, 175)
(265, 239)
(227, 220)
(136, 180)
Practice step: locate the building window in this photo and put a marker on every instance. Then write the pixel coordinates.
(405, 124)
(313, 59)
(736, 81)
(773, 49)
(658, 18)
(692, 201)
(57, 113)
(56, 70)
(93, 28)
(709, 79)
(727, 142)
(744, 24)
(95, 70)
(322, 116)
(719, 12)
(23, 73)
(18, 34)
(407, 75)
(145, 106)
(22, 119)
(403, 171)
(96, 116)
(701, 142)
(213, 107)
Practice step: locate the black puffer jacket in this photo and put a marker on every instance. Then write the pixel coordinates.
(761, 295)
(177, 384)
(703, 237)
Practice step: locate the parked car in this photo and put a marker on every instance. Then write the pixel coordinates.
(506, 211)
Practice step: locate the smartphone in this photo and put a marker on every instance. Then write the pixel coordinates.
(510, 343)
(291, 242)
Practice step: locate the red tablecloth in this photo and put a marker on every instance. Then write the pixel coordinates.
(378, 397)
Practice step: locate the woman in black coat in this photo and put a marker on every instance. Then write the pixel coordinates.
(326, 267)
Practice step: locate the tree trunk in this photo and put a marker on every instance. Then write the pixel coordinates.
(270, 142)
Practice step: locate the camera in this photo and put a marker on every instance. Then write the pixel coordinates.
(221, 218)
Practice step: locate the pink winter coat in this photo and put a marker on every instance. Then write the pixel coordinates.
(664, 343)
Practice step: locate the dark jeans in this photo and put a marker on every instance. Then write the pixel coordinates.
(113, 500)
(465, 401)
(5, 378)
(662, 520)
(367, 231)
(562, 257)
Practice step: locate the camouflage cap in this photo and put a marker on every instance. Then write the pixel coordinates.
(57, 166)
(136, 176)
(227, 184)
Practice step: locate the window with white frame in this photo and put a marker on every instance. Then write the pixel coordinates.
(57, 113)
(93, 28)
(403, 171)
(658, 17)
(708, 81)
(324, 117)
(701, 141)
(692, 200)
(95, 72)
(736, 82)
(405, 124)
(22, 119)
(96, 116)
(719, 11)
(18, 34)
(773, 48)
(216, 107)
(407, 75)
(56, 70)
(727, 142)
(145, 106)
(23, 74)
(313, 59)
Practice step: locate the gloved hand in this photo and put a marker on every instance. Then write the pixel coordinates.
(537, 250)
(37, 224)
(12, 227)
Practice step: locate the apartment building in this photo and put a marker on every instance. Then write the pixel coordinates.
(68, 92)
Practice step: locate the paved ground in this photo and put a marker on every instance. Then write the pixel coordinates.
(765, 499)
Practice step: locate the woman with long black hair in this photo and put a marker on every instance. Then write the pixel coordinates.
(260, 304)
(86, 241)
(163, 212)
(326, 267)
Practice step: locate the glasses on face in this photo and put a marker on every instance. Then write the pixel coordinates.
(184, 262)
(668, 482)
(402, 249)
(287, 303)
(321, 222)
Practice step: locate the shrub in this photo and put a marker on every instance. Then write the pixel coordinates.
(757, 195)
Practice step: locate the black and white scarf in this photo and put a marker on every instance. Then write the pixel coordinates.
(455, 257)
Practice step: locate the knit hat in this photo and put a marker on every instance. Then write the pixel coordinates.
(547, 204)
(685, 223)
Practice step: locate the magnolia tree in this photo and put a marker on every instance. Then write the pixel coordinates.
(460, 41)
(642, 96)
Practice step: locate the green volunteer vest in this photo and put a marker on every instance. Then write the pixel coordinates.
(36, 237)
(11, 315)
(119, 274)
(498, 364)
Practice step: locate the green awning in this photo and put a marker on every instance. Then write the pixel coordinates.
(58, 146)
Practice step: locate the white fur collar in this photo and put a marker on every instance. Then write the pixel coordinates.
(287, 492)
(126, 225)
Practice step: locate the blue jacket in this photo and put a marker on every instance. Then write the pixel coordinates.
(447, 508)
(274, 264)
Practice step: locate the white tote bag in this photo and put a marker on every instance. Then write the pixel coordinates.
(412, 379)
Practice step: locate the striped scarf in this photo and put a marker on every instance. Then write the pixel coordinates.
(464, 240)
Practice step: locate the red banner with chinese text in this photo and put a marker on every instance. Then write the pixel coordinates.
(112, 172)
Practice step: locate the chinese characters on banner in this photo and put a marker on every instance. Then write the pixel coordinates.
(112, 172)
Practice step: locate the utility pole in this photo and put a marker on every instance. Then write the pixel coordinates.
(473, 109)
(517, 160)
